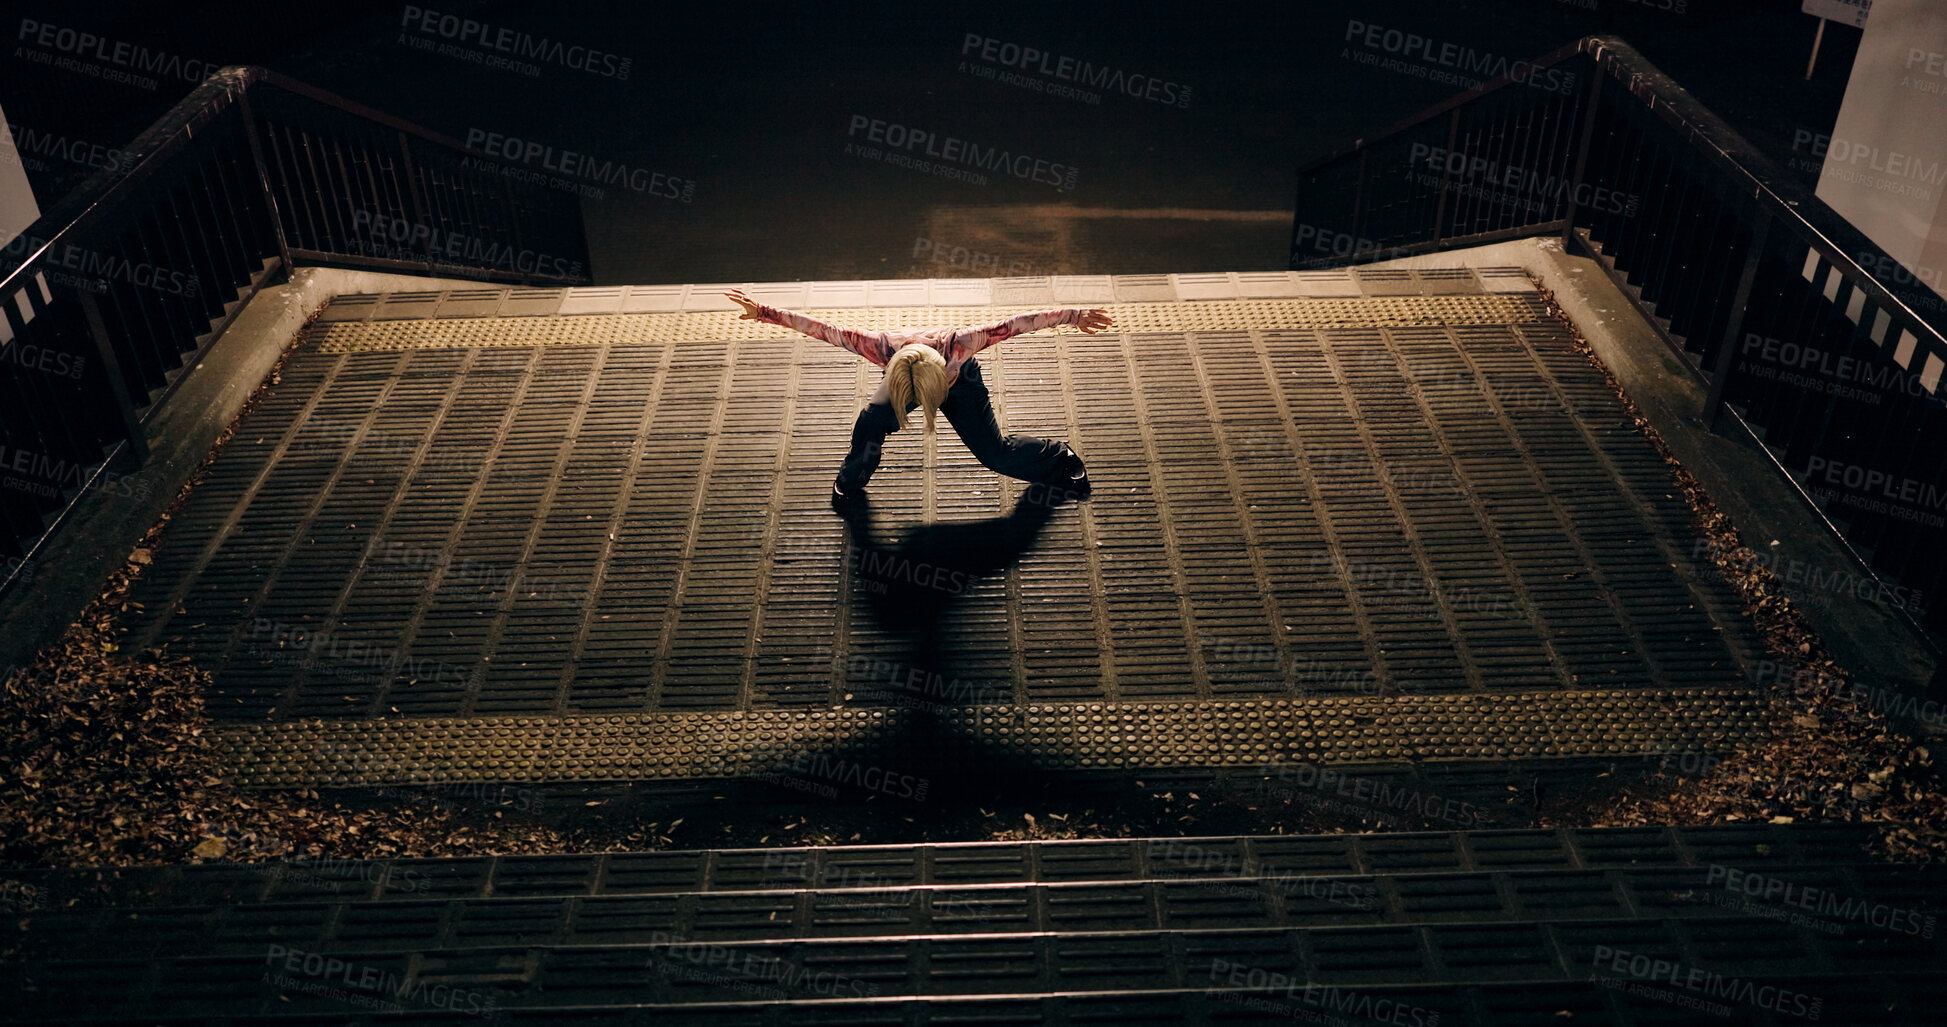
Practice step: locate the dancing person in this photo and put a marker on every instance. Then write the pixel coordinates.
(934, 369)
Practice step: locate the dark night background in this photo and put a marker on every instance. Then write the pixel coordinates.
(752, 104)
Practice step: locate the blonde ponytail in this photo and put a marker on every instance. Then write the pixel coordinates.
(917, 373)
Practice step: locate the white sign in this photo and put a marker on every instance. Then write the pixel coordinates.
(17, 206)
(1849, 12)
(1885, 164)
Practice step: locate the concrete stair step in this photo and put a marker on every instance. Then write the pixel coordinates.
(1469, 925)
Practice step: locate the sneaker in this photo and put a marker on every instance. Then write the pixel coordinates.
(1070, 473)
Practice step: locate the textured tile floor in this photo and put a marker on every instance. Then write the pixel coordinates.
(614, 501)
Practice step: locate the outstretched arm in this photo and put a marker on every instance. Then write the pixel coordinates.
(873, 346)
(1089, 320)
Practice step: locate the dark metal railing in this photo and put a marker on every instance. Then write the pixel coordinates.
(1764, 290)
(120, 286)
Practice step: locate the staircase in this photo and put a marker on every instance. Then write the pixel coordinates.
(1623, 926)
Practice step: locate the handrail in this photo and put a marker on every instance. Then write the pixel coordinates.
(98, 194)
(1548, 60)
(1719, 249)
(146, 155)
(110, 296)
(1709, 134)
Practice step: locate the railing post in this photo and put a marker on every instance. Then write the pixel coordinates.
(412, 181)
(1358, 198)
(1582, 151)
(1297, 213)
(1440, 206)
(138, 439)
(1740, 302)
(263, 178)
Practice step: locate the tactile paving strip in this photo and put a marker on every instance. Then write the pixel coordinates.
(1075, 737)
(711, 325)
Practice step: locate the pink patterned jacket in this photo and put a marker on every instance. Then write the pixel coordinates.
(957, 345)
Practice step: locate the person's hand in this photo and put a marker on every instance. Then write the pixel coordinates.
(1093, 321)
(749, 305)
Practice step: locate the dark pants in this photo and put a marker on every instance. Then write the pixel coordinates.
(971, 412)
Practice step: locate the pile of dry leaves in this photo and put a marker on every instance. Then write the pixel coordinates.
(106, 758)
(1830, 757)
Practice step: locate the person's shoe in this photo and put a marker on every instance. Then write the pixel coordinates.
(1071, 474)
(843, 497)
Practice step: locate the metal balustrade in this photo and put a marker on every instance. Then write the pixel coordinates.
(1768, 295)
(121, 285)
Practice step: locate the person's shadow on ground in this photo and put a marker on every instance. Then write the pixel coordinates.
(911, 583)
